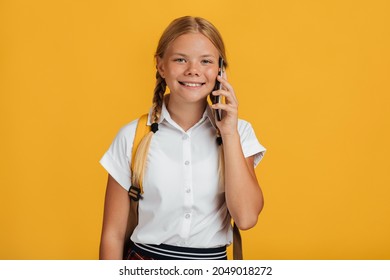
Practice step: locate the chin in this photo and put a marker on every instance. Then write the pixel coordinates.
(192, 97)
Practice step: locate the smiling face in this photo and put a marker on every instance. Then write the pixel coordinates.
(190, 67)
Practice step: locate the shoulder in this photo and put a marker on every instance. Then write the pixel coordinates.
(247, 135)
(244, 127)
(250, 144)
(123, 140)
(117, 158)
(128, 129)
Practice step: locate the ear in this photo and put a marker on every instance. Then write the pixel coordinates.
(160, 67)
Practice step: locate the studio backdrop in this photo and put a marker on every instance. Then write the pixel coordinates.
(311, 76)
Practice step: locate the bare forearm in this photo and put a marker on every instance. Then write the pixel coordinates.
(243, 195)
(116, 210)
(111, 248)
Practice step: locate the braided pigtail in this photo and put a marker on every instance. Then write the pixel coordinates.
(221, 157)
(143, 148)
(221, 161)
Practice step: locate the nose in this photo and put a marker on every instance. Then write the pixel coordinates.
(192, 69)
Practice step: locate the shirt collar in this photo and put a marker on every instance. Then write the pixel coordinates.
(210, 114)
(164, 113)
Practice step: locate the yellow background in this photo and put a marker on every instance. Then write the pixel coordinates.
(311, 76)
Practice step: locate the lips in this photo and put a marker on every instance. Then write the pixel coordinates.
(191, 84)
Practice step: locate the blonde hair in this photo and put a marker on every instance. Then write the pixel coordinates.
(176, 28)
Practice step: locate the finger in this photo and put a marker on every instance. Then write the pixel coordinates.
(229, 96)
(228, 87)
(228, 108)
(224, 83)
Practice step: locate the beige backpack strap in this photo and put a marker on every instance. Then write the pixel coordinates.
(237, 243)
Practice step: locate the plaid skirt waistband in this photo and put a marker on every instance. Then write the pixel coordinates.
(169, 252)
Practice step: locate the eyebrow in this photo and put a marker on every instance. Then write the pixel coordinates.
(204, 55)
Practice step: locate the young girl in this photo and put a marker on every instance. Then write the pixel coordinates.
(193, 185)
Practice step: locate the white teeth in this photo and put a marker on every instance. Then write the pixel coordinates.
(192, 84)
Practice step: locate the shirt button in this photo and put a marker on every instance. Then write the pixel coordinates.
(186, 162)
(188, 190)
(187, 216)
(185, 137)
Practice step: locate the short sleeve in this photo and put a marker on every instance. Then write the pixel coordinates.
(249, 142)
(117, 158)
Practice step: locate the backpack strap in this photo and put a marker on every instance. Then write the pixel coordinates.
(142, 129)
(237, 243)
(134, 192)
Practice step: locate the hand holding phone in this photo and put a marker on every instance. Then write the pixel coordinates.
(216, 99)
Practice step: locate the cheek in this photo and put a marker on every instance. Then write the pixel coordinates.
(173, 71)
(211, 74)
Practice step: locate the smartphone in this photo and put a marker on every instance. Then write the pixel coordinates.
(216, 99)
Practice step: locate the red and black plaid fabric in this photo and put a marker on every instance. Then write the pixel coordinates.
(133, 255)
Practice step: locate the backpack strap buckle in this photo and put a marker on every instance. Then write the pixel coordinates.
(135, 193)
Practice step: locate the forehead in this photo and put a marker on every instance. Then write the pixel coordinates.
(192, 44)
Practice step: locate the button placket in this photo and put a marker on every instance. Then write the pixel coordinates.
(187, 187)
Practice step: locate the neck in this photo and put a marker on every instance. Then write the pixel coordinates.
(186, 115)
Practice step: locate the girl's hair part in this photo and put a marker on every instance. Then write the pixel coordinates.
(189, 24)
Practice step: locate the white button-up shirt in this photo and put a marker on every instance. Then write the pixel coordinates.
(184, 203)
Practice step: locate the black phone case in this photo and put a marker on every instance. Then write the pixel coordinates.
(218, 86)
